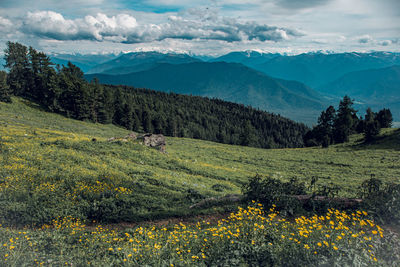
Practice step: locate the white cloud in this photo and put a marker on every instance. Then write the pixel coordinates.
(124, 28)
(6, 26)
(53, 25)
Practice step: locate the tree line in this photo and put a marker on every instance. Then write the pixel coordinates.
(63, 89)
(335, 126)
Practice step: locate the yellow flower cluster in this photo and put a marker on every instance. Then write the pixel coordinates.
(335, 231)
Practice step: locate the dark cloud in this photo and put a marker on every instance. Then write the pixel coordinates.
(124, 28)
(299, 4)
(365, 39)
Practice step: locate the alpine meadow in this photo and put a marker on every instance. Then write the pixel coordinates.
(211, 133)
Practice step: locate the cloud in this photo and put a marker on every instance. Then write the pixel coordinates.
(124, 28)
(5, 25)
(365, 39)
(53, 25)
(385, 42)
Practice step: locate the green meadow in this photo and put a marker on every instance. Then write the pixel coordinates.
(61, 180)
(70, 174)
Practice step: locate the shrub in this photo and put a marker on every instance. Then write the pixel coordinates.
(381, 199)
(269, 191)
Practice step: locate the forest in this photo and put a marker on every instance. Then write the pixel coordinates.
(63, 89)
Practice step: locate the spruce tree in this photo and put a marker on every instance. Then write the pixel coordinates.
(385, 118)
(325, 126)
(118, 107)
(372, 127)
(344, 121)
(5, 94)
(16, 57)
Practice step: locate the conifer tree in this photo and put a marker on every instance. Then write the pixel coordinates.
(5, 94)
(118, 107)
(385, 118)
(372, 127)
(16, 57)
(344, 121)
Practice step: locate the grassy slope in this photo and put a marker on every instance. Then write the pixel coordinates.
(49, 150)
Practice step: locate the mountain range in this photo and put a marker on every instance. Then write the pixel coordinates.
(84, 62)
(375, 88)
(313, 69)
(134, 62)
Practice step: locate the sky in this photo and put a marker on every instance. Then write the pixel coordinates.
(202, 27)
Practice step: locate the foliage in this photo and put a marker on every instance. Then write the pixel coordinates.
(381, 199)
(5, 94)
(385, 118)
(250, 237)
(270, 191)
(371, 126)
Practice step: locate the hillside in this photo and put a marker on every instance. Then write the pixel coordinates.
(374, 87)
(56, 157)
(228, 81)
(84, 62)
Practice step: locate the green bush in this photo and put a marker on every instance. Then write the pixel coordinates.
(269, 191)
(381, 199)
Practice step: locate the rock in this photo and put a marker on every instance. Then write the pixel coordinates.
(153, 140)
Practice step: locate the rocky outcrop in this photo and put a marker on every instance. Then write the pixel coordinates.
(154, 140)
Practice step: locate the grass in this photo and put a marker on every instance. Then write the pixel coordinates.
(54, 178)
(55, 156)
(249, 237)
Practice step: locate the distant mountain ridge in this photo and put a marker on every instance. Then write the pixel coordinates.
(228, 81)
(84, 62)
(247, 58)
(313, 69)
(376, 88)
(140, 61)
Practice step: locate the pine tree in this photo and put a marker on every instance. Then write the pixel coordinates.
(146, 121)
(16, 57)
(118, 107)
(5, 94)
(372, 127)
(325, 126)
(344, 121)
(127, 116)
(247, 136)
(105, 107)
(136, 122)
(385, 118)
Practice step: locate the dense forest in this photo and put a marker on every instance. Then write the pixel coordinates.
(64, 90)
